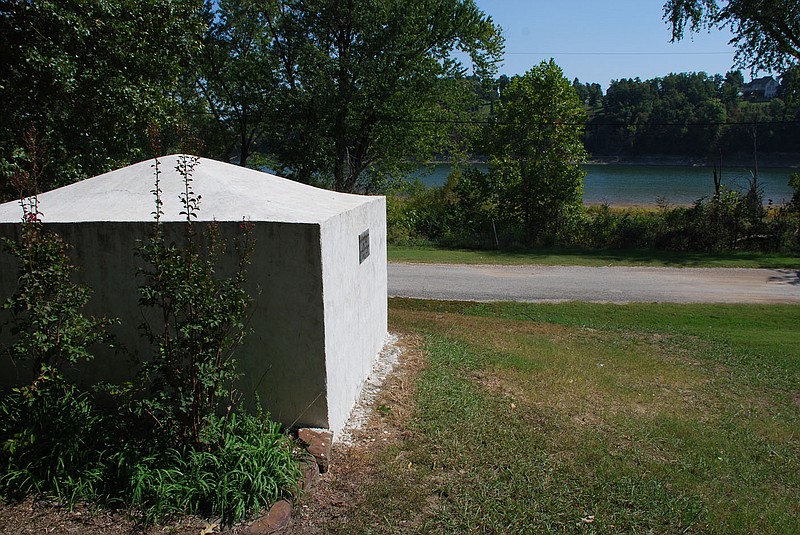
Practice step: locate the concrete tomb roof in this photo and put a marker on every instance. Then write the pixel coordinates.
(228, 193)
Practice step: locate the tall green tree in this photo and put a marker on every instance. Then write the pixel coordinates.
(371, 85)
(537, 151)
(790, 88)
(686, 115)
(90, 75)
(590, 94)
(629, 103)
(766, 32)
(237, 81)
(678, 114)
(731, 87)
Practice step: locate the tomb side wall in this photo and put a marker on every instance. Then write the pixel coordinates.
(282, 362)
(355, 295)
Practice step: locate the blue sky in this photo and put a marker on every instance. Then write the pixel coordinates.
(598, 41)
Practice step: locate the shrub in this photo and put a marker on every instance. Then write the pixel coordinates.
(49, 328)
(51, 439)
(61, 444)
(415, 214)
(47, 324)
(55, 442)
(201, 320)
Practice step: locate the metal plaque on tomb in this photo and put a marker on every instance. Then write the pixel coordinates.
(363, 246)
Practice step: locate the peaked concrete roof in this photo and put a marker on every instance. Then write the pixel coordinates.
(228, 193)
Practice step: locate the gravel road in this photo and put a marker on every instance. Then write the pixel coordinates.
(594, 284)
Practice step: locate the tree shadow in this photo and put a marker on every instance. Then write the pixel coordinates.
(648, 257)
(786, 276)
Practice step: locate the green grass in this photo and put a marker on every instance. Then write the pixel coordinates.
(592, 257)
(587, 418)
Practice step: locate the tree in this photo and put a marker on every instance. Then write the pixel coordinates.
(629, 103)
(790, 88)
(680, 114)
(237, 80)
(687, 115)
(590, 94)
(766, 33)
(372, 85)
(537, 150)
(502, 83)
(730, 89)
(91, 75)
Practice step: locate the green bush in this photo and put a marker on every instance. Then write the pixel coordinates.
(55, 442)
(60, 444)
(471, 213)
(49, 329)
(251, 466)
(416, 214)
(399, 220)
(200, 321)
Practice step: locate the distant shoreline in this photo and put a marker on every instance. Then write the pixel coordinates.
(649, 207)
(780, 161)
(637, 184)
(765, 161)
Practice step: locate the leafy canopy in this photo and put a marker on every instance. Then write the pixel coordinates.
(90, 75)
(766, 33)
(237, 84)
(373, 83)
(537, 148)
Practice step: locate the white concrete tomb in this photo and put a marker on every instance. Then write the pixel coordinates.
(318, 277)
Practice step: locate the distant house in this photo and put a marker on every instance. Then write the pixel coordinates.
(764, 88)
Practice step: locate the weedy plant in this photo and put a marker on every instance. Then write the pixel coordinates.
(252, 465)
(46, 320)
(52, 438)
(201, 318)
(215, 460)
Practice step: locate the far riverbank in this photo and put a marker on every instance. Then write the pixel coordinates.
(777, 160)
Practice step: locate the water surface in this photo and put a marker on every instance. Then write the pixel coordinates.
(625, 185)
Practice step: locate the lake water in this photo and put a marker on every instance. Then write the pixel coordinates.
(644, 184)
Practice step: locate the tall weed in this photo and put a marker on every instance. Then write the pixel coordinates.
(201, 319)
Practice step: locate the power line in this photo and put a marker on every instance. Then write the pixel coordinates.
(620, 53)
(551, 123)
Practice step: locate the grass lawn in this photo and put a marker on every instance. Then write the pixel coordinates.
(580, 418)
(591, 257)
